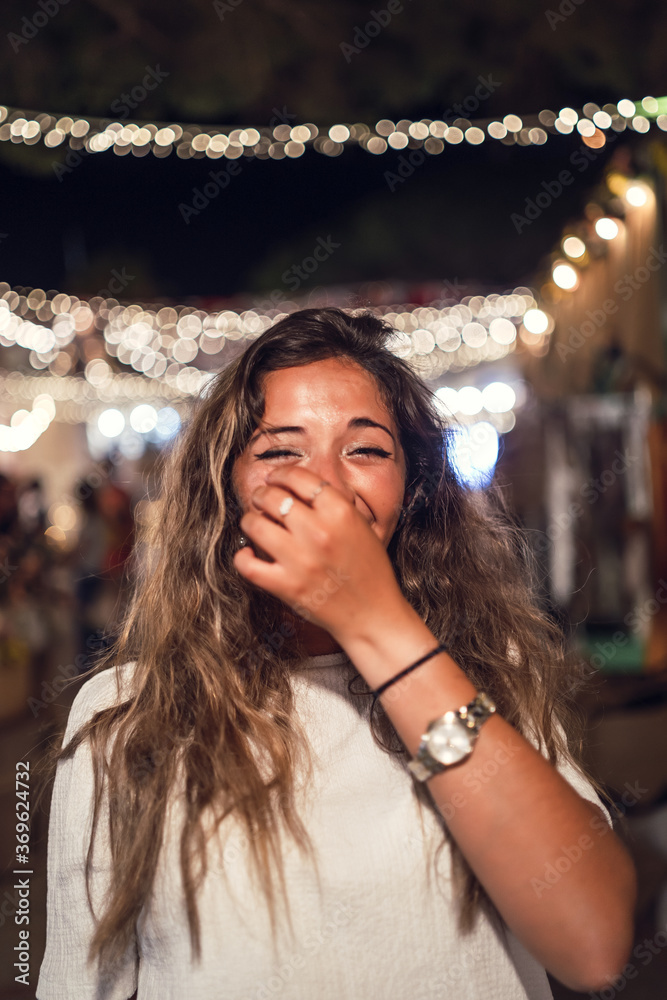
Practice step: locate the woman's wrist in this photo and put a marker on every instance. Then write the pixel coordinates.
(382, 646)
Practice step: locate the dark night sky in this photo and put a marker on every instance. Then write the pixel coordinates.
(450, 220)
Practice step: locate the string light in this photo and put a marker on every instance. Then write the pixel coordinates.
(573, 247)
(178, 345)
(191, 141)
(26, 426)
(636, 195)
(469, 401)
(127, 408)
(635, 192)
(607, 228)
(565, 276)
(536, 321)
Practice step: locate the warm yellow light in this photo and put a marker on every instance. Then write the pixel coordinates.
(636, 195)
(569, 115)
(617, 183)
(300, 133)
(512, 123)
(339, 133)
(536, 321)
(474, 136)
(398, 140)
(565, 276)
(63, 516)
(626, 108)
(574, 247)
(418, 130)
(606, 228)
(602, 119)
(563, 126)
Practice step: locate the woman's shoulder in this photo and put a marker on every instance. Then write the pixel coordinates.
(104, 689)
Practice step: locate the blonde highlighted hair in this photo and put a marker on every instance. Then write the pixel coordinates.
(208, 689)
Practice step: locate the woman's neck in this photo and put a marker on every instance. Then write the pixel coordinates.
(316, 640)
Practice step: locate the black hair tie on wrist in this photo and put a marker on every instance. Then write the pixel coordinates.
(413, 666)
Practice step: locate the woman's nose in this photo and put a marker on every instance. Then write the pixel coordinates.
(331, 472)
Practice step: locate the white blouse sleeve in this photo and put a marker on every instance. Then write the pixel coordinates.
(65, 973)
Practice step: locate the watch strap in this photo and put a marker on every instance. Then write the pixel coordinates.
(422, 770)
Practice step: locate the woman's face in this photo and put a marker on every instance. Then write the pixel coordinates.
(328, 417)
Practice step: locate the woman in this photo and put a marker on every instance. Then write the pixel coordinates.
(312, 543)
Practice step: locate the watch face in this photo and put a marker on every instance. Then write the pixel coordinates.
(449, 740)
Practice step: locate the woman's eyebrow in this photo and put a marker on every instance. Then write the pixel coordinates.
(355, 422)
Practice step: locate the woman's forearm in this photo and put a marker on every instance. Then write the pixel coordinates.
(560, 878)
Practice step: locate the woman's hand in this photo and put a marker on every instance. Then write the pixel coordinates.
(329, 565)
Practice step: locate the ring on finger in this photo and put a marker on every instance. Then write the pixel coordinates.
(286, 505)
(318, 489)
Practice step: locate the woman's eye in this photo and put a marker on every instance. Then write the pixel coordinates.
(276, 453)
(371, 451)
(285, 452)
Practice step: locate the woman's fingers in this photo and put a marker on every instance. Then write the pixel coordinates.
(281, 505)
(327, 559)
(310, 488)
(269, 535)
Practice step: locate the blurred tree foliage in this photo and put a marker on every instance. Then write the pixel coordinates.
(235, 60)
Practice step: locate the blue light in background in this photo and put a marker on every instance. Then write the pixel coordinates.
(473, 453)
(168, 424)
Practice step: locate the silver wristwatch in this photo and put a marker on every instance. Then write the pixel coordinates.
(450, 737)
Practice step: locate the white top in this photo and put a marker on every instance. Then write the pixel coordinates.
(380, 928)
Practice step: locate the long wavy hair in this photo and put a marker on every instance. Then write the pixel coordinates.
(209, 691)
